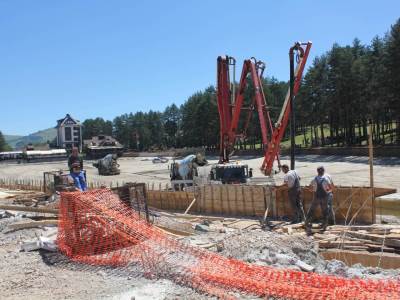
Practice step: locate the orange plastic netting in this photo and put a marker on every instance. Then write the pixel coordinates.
(96, 227)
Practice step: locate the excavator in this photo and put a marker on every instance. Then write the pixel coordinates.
(230, 100)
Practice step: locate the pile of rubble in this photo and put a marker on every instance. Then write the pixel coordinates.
(281, 245)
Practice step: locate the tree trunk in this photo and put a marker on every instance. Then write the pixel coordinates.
(322, 135)
(316, 136)
(305, 137)
(398, 129)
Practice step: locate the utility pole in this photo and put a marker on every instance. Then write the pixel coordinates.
(292, 119)
(371, 156)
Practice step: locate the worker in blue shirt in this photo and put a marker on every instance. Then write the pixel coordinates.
(75, 166)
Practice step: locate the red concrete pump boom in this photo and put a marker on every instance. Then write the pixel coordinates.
(230, 105)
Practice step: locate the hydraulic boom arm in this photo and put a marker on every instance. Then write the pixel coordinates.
(273, 147)
(230, 105)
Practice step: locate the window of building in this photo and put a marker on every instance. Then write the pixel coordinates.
(77, 131)
(68, 134)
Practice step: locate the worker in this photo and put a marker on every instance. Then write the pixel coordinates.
(322, 186)
(78, 176)
(73, 158)
(292, 181)
(75, 166)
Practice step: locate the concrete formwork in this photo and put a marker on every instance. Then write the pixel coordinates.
(351, 204)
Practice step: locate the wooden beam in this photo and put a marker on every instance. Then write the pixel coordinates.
(391, 239)
(387, 260)
(174, 231)
(190, 206)
(30, 209)
(31, 224)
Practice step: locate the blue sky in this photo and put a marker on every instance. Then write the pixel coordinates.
(106, 58)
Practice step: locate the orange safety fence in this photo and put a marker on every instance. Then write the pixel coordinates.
(97, 228)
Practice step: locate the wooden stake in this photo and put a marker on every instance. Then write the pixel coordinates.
(190, 206)
(371, 157)
(371, 170)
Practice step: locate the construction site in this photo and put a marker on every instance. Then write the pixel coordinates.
(253, 188)
(195, 227)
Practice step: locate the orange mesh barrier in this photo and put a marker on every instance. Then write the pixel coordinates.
(97, 228)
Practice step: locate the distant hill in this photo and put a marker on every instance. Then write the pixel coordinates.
(39, 137)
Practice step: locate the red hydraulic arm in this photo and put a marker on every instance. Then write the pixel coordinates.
(224, 103)
(230, 105)
(273, 147)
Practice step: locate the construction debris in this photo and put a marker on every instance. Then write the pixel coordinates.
(31, 224)
(29, 209)
(42, 242)
(281, 246)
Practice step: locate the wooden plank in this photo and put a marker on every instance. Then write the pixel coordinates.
(228, 201)
(174, 232)
(30, 209)
(190, 206)
(236, 210)
(339, 244)
(388, 240)
(30, 224)
(379, 248)
(383, 191)
(382, 260)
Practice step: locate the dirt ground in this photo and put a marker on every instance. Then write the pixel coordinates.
(46, 275)
(50, 275)
(345, 171)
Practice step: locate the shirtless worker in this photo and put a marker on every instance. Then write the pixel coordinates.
(292, 181)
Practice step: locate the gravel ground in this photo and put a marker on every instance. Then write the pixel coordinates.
(47, 275)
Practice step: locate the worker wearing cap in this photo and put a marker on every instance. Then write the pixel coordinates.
(322, 185)
(78, 176)
(75, 165)
(292, 181)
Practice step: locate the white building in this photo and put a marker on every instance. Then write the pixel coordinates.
(69, 133)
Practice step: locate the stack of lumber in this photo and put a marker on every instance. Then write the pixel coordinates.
(30, 199)
(376, 245)
(372, 238)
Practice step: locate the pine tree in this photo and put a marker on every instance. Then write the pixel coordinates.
(393, 66)
(3, 144)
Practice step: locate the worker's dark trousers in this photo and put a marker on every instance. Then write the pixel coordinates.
(297, 205)
(326, 204)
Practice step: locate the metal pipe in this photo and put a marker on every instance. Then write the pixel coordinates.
(232, 61)
(296, 47)
(292, 119)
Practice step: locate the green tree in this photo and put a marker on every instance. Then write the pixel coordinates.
(200, 121)
(93, 127)
(3, 144)
(393, 74)
(171, 121)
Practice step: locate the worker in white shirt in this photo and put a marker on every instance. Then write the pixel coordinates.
(323, 186)
(292, 181)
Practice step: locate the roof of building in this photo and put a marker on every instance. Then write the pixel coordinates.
(67, 120)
